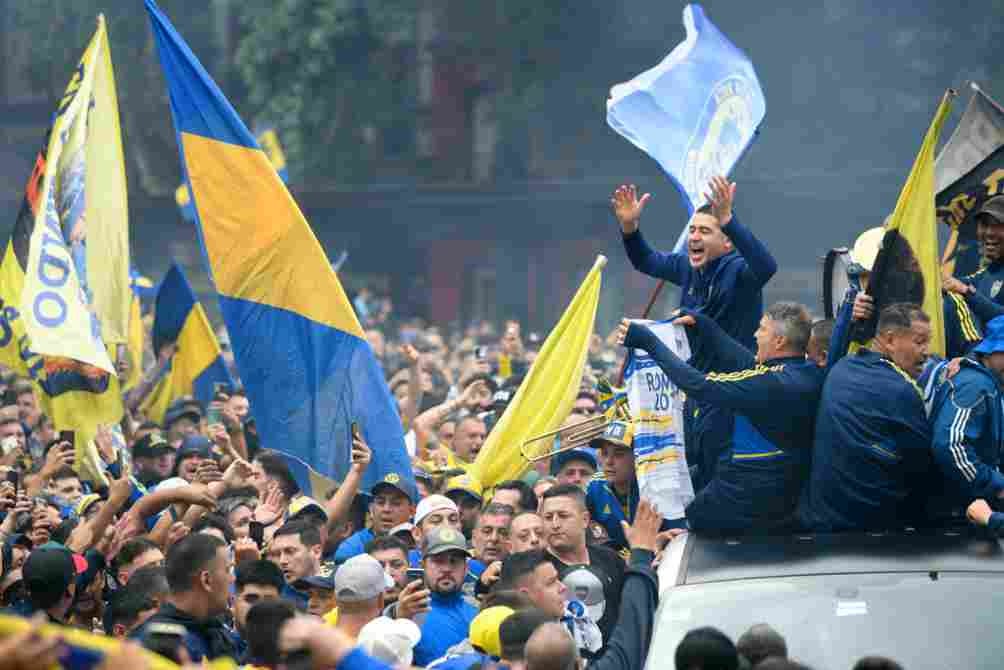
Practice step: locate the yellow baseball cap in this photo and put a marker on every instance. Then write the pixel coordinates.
(484, 630)
(464, 483)
(85, 503)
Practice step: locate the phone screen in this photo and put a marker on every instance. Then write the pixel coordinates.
(214, 415)
(67, 436)
(415, 574)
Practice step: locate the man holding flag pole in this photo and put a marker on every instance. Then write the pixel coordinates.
(696, 113)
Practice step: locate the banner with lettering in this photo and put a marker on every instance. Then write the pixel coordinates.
(656, 406)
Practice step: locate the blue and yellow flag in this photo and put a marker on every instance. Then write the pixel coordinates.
(197, 367)
(268, 140)
(84, 650)
(303, 358)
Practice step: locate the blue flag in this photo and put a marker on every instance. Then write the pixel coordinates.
(696, 112)
(307, 368)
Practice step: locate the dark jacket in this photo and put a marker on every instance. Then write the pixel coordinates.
(966, 418)
(757, 486)
(872, 453)
(207, 638)
(628, 645)
(729, 291)
(988, 301)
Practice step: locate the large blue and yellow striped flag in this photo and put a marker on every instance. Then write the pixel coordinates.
(197, 366)
(303, 358)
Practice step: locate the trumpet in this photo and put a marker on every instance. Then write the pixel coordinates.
(578, 434)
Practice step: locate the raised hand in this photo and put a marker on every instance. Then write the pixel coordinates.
(644, 532)
(361, 456)
(628, 206)
(723, 192)
(271, 508)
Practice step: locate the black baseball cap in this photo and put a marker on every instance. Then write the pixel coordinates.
(49, 571)
(151, 445)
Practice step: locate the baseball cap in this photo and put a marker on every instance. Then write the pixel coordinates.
(302, 505)
(49, 571)
(85, 503)
(993, 340)
(361, 578)
(402, 529)
(397, 482)
(620, 433)
(443, 540)
(151, 445)
(182, 408)
(484, 630)
(586, 587)
(195, 446)
(464, 483)
(390, 640)
(561, 459)
(993, 207)
(433, 503)
(326, 582)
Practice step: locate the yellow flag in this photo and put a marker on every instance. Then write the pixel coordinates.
(107, 214)
(134, 347)
(547, 394)
(909, 265)
(48, 331)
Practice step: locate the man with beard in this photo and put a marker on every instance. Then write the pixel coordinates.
(444, 616)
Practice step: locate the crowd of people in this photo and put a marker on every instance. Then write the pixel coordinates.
(201, 544)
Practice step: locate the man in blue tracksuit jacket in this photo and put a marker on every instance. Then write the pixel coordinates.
(721, 275)
(774, 396)
(984, 290)
(872, 456)
(967, 413)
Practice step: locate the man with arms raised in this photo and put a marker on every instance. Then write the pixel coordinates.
(393, 503)
(722, 275)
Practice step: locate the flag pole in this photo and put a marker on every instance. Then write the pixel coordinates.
(648, 308)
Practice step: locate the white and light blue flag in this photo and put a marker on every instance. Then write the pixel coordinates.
(696, 112)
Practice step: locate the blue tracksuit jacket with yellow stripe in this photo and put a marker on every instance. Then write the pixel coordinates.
(757, 483)
(988, 301)
(872, 456)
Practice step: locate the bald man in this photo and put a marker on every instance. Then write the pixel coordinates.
(552, 648)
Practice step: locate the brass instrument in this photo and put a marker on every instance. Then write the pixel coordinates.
(574, 436)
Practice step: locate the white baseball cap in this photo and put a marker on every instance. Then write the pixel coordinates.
(390, 640)
(433, 503)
